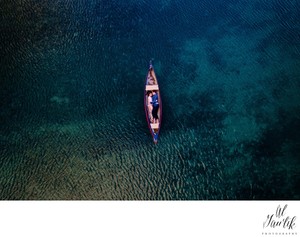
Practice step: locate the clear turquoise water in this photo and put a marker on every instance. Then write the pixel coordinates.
(71, 100)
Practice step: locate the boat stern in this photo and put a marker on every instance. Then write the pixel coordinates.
(155, 138)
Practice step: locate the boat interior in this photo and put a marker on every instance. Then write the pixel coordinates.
(153, 86)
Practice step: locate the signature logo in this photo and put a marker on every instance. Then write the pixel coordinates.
(279, 222)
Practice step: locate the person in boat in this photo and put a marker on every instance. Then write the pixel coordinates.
(155, 107)
(150, 105)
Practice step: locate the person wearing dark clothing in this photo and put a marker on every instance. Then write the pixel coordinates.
(155, 105)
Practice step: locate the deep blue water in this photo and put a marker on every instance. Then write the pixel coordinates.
(71, 99)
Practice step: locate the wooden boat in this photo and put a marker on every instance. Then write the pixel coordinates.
(154, 114)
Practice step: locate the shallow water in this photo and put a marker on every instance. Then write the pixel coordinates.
(72, 117)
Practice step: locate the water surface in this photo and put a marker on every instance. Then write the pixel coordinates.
(71, 100)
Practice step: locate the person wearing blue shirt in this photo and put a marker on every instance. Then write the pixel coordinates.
(155, 105)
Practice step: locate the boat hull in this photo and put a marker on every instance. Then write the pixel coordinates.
(153, 115)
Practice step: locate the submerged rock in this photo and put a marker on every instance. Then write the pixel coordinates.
(60, 100)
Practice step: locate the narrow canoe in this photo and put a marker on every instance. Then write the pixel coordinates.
(153, 115)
